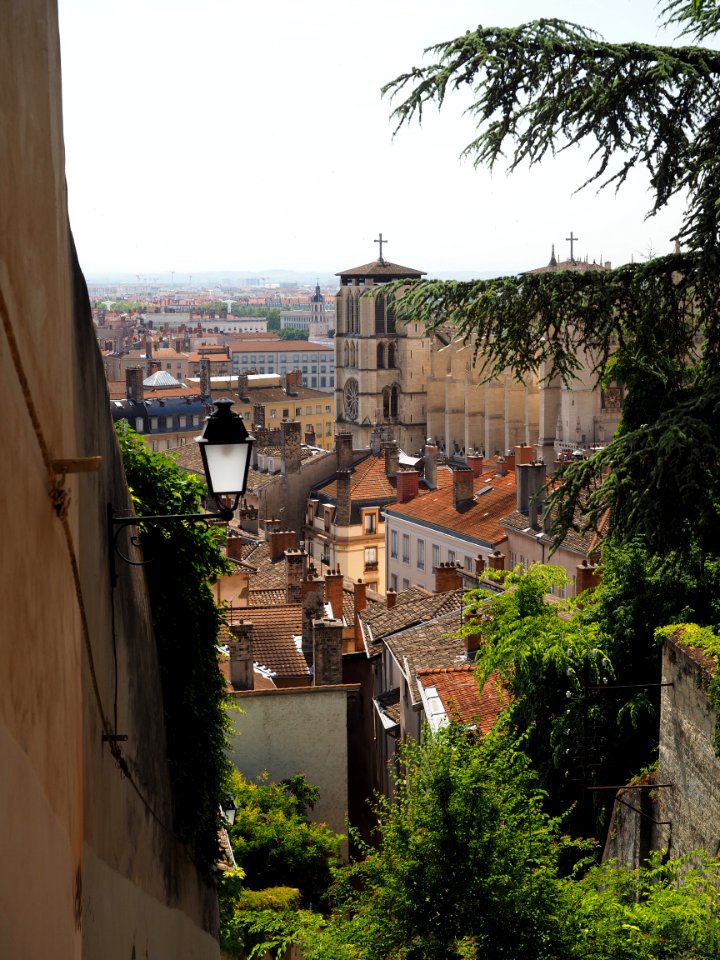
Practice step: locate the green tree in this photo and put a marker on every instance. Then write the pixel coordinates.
(185, 559)
(547, 86)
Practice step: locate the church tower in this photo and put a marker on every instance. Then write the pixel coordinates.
(381, 363)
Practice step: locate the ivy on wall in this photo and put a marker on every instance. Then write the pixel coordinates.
(185, 559)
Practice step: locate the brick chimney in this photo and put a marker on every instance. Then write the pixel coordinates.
(248, 518)
(500, 466)
(430, 464)
(205, 377)
(148, 348)
(343, 451)
(392, 457)
(234, 545)
(360, 602)
(462, 487)
(587, 576)
(407, 479)
(134, 384)
(334, 592)
(523, 453)
(448, 577)
(390, 599)
(342, 514)
(479, 565)
(290, 447)
(295, 571)
(290, 383)
(280, 541)
(510, 460)
(496, 560)
(475, 461)
(242, 386)
(258, 415)
(327, 652)
(241, 655)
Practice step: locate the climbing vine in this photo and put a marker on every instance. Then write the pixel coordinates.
(186, 559)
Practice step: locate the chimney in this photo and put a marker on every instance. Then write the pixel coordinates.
(290, 447)
(310, 436)
(248, 518)
(234, 545)
(258, 415)
(476, 462)
(448, 577)
(205, 377)
(295, 570)
(242, 386)
(178, 345)
(313, 608)
(472, 641)
(327, 652)
(500, 466)
(241, 655)
(342, 513)
(134, 384)
(529, 480)
(270, 527)
(430, 464)
(290, 384)
(407, 480)
(343, 451)
(392, 457)
(479, 565)
(334, 593)
(523, 453)
(462, 487)
(496, 560)
(148, 348)
(390, 599)
(280, 541)
(360, 602)
(510, 460)
(587, 576)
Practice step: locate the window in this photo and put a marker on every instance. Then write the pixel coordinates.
(169, 422)
(393, 543)
(139, 424)
(273, 414)
(298, 411)
(370, 522)
(308, 411)
(328, 517)
(451, 556)
(318, 409)
(421, 554)
(196, 420)
(393, 582)
(406, 548)
(327, 408)
(469, 565)
(371, 560)
(286, 412)
(435, 556)
(406, 583)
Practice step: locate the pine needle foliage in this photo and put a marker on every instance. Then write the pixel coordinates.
(654, 327)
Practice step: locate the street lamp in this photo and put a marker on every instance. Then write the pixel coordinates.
(225, 447)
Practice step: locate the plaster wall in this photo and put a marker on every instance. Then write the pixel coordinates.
(85, 861)
(297, 730)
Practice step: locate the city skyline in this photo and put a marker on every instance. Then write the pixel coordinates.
(246, 139)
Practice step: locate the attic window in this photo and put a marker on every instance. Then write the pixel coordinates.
(483, 490)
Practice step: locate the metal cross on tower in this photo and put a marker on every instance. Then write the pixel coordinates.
(381, 242)
(572, 240)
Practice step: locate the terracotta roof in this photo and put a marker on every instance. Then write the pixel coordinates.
(413, 607)
(429, 645)
(389, 704)
(382, 269)
(368, 482)
(272, 636)
(494, 498)
(580, 543)
(461, 700)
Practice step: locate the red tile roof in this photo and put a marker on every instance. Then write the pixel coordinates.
(457, 688)
(272, 636)
(479, 519)
(368, 482)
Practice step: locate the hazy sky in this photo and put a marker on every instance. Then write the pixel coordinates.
(238, 135)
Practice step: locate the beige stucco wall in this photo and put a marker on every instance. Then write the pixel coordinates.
(88, 868)
(299, 730)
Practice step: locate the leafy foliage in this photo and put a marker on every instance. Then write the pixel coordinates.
(275, 843)
(185, 559)
(469, 866)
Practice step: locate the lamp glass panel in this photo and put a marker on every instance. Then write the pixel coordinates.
(226, 466)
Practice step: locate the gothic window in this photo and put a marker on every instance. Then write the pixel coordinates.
(347, 354)
(386, 402)
(394, 402)
(390, 313)
(352, 304)
(381, 356)
(391, 360)
(379, 315)
(351, 403)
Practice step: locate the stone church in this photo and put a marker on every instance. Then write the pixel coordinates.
(394, 380)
